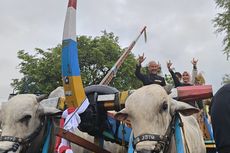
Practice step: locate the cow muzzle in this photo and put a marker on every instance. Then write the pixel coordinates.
(152, 142)
(14, 144)
(9, 147)
(162, 142)
(147, 151)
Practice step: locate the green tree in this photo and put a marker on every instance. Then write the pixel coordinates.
(226, 79)
(169, 79)
(42, 71)
(98, 55)
(222, 24)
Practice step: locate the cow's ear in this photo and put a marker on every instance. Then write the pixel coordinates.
(121, 115)
(183, 108)
(168, 88)
(48, 110)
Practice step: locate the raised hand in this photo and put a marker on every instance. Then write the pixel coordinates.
(159, 64)
(169, 64)
(194, 62)
(141, 58)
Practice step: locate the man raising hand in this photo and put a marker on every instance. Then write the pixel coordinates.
(152, 77)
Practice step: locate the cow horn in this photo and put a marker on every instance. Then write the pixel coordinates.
(41, 97)
(168, 88)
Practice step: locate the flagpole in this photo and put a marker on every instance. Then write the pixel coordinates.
(112, 72)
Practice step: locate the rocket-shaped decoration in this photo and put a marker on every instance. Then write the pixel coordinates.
(73, 87)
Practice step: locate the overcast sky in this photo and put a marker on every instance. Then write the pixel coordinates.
(177, 30)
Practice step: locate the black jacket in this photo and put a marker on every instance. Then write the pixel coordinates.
(220, 115)
(150, 78)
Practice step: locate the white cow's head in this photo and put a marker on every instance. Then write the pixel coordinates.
(150, 111)
(20, 117)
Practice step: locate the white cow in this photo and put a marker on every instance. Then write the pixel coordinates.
(150, 111)
(20, 118)
(22, 115)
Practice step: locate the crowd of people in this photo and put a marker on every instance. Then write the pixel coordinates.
(154, 74)
(219, 112)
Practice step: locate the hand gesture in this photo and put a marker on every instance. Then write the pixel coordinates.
(169, 64)
(194, 62)
(159, 65)
(141, 58)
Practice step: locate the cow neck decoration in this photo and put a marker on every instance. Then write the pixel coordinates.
(163, 141)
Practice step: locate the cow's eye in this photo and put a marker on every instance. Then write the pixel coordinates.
(25, 119)
(164, 106)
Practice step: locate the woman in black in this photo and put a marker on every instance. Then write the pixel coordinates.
(176, 79)
(185, 78)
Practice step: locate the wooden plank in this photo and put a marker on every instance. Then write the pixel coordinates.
(78, 140)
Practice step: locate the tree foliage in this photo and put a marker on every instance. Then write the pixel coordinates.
(169, 79)
(226, 79)
(222, 24)
(42, 71)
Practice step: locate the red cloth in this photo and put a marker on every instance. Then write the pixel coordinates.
(61, 124)
(58, 139)
(64, 148)
(194, 93)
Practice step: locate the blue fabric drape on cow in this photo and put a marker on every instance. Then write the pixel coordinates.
(178, 137)
(47, 140)
(117, 132)
(131, 149)
(209, 126)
